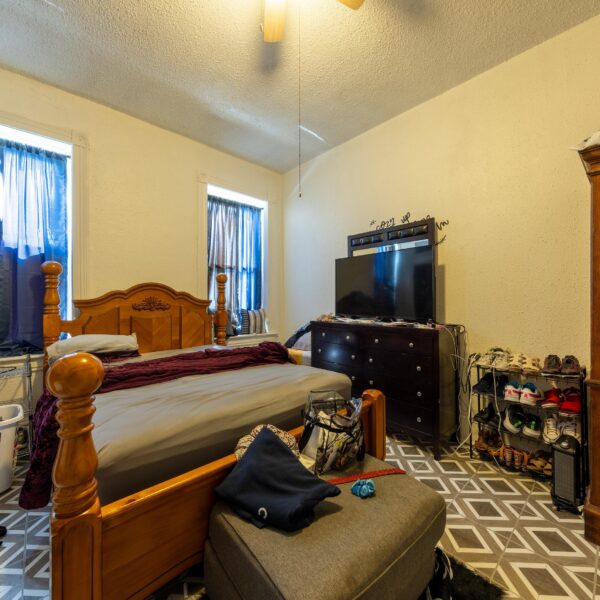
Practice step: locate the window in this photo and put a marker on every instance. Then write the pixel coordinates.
(35, 225)
(235, 247)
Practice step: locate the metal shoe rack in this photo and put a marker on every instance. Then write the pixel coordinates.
(520, 440)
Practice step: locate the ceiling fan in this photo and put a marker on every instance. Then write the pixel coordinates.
(274, 19)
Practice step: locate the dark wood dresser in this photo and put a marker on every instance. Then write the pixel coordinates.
(412, 366)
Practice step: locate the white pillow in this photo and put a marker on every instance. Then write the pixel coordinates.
(94, 343)
(303, 342)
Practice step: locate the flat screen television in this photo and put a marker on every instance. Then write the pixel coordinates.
(397, 284)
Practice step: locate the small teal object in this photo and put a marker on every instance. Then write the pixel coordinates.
(363, 488)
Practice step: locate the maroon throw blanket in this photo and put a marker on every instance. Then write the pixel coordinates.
(35, 492)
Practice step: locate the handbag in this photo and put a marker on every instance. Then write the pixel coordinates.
(333, 432)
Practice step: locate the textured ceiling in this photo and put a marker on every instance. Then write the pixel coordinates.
(200, 68)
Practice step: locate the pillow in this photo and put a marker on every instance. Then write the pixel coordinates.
(94, 343)
(253, 321)
(303, 343)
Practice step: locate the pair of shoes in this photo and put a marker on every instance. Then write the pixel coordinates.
(528, 394)
(488, 416)
(492, 358)
(491, 384)
(568, 366)
(520, 459)
(540, 463)
(567, 401)
(532, 365)
(553, 429)
(516, 421)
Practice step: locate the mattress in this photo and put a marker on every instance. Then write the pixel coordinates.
(146, 435)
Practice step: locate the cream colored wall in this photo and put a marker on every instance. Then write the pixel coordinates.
(145, 217)
(492, 157)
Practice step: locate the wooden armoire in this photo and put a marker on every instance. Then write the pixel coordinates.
(591, 162)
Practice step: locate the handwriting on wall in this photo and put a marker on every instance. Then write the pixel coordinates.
(406, 218)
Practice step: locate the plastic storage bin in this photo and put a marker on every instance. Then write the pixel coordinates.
(10, 415)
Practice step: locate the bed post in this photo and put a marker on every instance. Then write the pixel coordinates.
(374, 423)
(51, 316)
(221, 316)
(75, 523)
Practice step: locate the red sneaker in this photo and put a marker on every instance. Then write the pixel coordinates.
(552, 398)
(571, 405)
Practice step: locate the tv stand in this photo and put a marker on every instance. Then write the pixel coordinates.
(412, 366)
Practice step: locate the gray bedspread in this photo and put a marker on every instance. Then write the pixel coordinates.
(147, 435)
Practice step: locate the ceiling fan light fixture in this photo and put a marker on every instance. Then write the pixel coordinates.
(274, 20)
(353, 4)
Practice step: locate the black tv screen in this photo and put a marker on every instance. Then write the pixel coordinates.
(393, 284)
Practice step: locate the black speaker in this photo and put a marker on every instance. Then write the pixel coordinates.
(567, 480)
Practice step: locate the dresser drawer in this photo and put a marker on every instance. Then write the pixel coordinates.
(417, 367)
(403, 392)
(356, 375)
(410, 416)
(333, 335)
(409, 341)
(337, 353)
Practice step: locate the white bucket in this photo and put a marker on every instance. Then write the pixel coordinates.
(10, 415)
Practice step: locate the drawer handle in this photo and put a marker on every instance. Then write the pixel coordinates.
(411, 345)
(419, 394)
(418, 419)
(323, 334)
(347, 338)
(319, 350)
(353, 356)
(377, 340)
(353, 377)
(418, 368)
(370, 382)
(370, 360)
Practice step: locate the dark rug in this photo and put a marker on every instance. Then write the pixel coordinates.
(469, 585)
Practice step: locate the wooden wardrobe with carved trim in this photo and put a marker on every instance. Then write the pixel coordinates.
(591, 162)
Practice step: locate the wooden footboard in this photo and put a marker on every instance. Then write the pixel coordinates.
(131, 547)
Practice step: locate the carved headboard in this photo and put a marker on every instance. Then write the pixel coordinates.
(161, 317)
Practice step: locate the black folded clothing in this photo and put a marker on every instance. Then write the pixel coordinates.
(269, 486)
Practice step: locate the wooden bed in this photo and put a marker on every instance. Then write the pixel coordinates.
(133, 546)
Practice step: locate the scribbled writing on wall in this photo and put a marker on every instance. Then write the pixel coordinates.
(406, 218)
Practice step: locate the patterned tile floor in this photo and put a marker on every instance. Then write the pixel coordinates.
(501, 524)
(504, 525)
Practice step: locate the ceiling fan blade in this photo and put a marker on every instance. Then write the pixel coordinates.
(274, 20)
(353, 4)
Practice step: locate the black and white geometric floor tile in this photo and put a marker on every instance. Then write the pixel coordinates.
(501, 524)
(504, 525)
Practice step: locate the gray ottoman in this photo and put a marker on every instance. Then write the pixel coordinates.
(378, 548)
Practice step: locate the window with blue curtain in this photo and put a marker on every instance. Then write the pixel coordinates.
(33, 229)
(235, 248)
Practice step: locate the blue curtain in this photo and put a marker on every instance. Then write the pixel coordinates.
(235, 248)
(33, 228)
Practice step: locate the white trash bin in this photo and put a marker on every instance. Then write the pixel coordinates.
(10, 415)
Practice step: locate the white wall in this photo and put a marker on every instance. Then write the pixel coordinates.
(492, 157)
(145, 196)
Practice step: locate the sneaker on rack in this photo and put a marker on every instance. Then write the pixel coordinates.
(570, 365)
(552, 399)
(501, 362)
(518, 459)
(571, 427)
(490, 382)
(571, 404)
(552, 364)
(513, 419)
(551, 431)
(486, 360)
(532, 365)
(508, 456)
(532, 426)
(530, 394)
(515, 363)
(512, 391)
(485, 414)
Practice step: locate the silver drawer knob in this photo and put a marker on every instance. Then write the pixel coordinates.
(319, 350)
(411, 345)
(353, 356)
(418, 369)
(323, 334)
(370, 360)
(418, 419)
(348, 338)
(419, 394)
(370, 382)
(377, 340)
(353, 377)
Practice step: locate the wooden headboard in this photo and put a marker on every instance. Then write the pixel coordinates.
(161, 317)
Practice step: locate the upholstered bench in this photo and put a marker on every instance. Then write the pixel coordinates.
(377, 548)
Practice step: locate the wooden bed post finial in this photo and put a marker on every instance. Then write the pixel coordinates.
(51, 316)
(75, 522)
(221, 316)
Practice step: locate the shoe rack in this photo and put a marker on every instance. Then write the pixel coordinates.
(543, 381)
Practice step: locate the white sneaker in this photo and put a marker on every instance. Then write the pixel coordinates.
(501, 362)
(571, 427)
(551, 431)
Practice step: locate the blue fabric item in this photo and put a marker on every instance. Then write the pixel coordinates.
(269, 486)
(34, 228)
(363, 488)
(235, 248)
